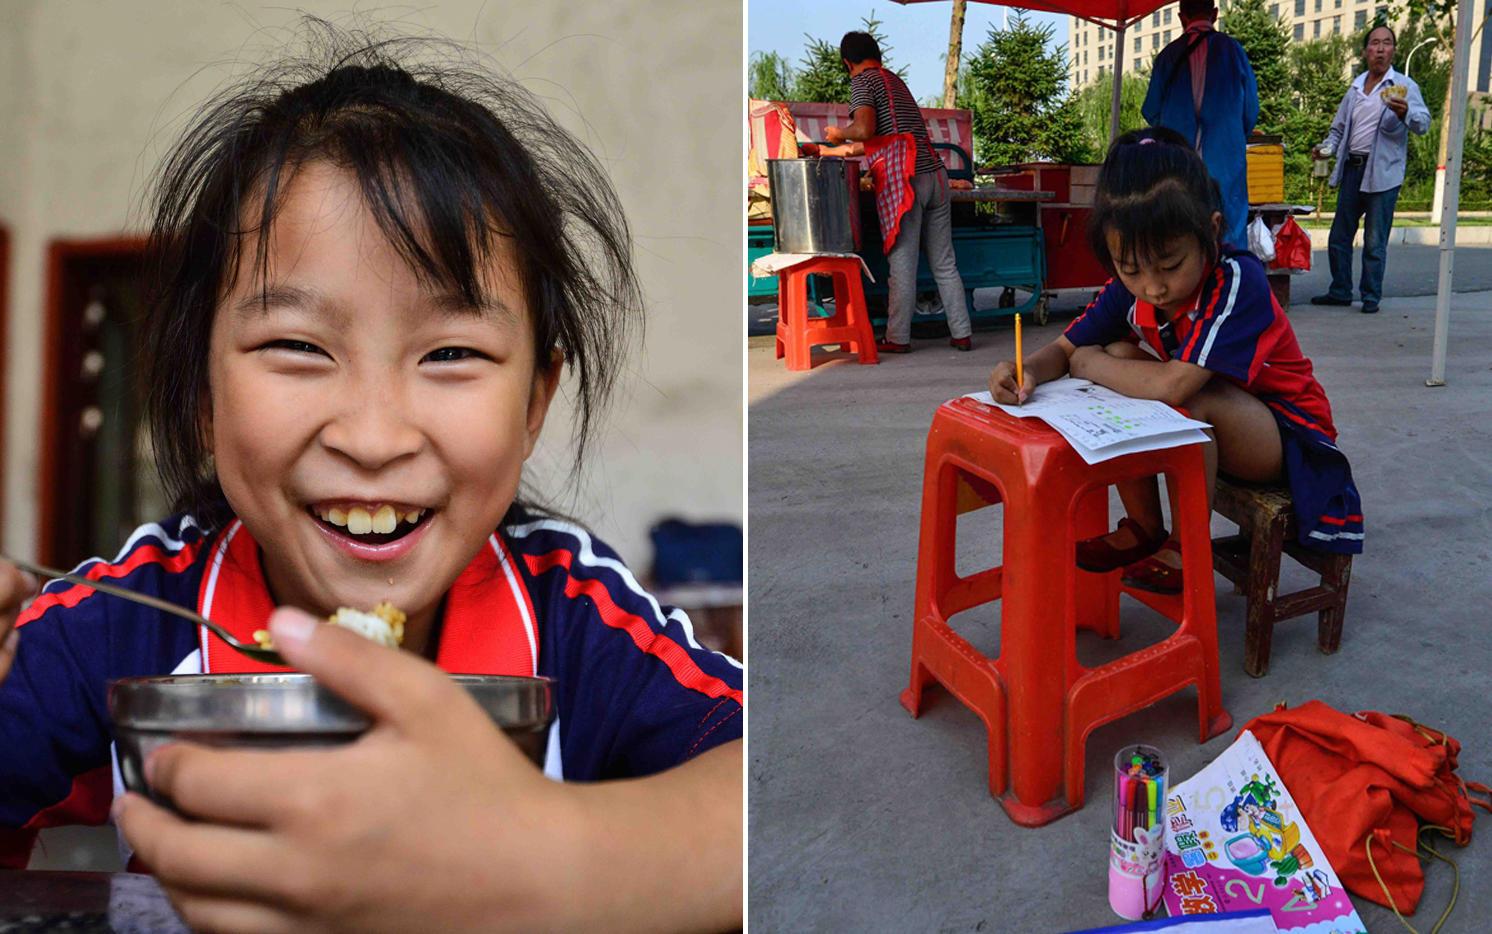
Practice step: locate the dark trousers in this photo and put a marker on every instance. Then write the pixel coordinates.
(1376, 209)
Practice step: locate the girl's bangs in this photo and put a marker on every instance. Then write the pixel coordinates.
(1148, 223)
(437, 214)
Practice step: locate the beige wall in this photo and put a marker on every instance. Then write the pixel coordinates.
(91, 92)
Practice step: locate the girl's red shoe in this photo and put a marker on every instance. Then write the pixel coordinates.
(1098, 556)
(1155, 575)
(893, 347)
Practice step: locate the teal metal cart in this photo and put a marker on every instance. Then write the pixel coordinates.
(1005, 252)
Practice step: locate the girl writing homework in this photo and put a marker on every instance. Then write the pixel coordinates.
(1190, 321)
(371, 267)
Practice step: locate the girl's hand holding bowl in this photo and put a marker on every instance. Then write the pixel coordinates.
(1003, 387)
(324, 839)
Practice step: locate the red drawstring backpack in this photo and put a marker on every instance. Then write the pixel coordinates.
(1364, 783)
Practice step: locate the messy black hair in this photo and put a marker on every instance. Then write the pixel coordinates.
(1152, 188)
(857, 47)
(456, 163)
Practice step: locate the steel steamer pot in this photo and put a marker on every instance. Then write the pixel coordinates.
(815, 205)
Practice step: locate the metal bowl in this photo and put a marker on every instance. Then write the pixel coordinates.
(280, 711)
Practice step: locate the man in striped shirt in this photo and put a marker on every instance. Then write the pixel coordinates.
(912, 203)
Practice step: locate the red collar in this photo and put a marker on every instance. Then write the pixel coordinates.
(489, 626)
(1146, 317)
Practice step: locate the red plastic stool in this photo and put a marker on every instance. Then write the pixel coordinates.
(798, 334)
(1037, 702)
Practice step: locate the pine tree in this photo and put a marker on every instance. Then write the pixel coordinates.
(1265, 40)
(822, 76)
(770, 77)
(1016, 92)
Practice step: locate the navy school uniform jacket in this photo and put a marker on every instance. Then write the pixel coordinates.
(1235, 328)
(635, 692)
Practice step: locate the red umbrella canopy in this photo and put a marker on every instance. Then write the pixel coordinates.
(1111, 13)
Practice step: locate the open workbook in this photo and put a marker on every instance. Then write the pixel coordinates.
(1100, 423)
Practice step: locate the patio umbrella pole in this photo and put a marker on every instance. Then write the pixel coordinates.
(1118, 83)
(1452, 193)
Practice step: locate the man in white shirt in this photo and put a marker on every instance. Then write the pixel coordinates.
(1370, 136)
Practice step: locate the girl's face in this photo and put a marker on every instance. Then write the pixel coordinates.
(1168, 280)
(369, 430)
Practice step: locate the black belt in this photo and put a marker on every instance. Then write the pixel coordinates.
(1356, 158)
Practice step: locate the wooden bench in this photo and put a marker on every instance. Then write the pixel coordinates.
(1251, 560)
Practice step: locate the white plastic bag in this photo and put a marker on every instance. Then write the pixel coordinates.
(1261, 241)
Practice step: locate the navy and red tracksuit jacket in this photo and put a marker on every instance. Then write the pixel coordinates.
(635, 692)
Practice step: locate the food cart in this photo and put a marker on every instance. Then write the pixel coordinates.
(1063, 220)
(1001, 248)
(1266, 187)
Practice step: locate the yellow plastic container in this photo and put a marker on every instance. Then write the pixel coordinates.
(1266, 173)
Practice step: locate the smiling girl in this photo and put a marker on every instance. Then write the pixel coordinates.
(368, 279)
(1189, 322)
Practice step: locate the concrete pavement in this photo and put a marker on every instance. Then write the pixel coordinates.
(862, 818)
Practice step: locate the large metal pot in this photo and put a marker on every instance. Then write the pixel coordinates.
(815, 205)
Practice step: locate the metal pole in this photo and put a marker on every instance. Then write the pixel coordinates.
(1118, 84)
(1452, 192)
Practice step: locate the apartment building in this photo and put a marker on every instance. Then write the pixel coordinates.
(1091, 50)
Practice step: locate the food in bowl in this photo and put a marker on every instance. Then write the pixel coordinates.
(1401, 91)
(384, 624)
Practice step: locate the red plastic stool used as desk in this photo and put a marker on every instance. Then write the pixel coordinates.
(1037, 702)
(798, 334)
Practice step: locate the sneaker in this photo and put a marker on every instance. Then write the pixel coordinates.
(1370, 309)
(892, 347)
(961, 343)
(1329, 299)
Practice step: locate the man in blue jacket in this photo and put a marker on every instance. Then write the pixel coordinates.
(1370, 137)
(1202, 86)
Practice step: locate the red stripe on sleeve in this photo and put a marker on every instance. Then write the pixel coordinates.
(1074, 322)
(680, 664)
(146, 554)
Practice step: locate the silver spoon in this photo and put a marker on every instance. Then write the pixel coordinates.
(252, 650)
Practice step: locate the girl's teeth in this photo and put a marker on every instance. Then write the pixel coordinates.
(358, 521)
(385, 520)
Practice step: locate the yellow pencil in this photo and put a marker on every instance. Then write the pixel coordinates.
(1019, 379)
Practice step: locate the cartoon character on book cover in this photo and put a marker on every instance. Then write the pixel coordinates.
(1235, 840)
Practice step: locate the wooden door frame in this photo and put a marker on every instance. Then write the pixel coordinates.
(60, 253)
